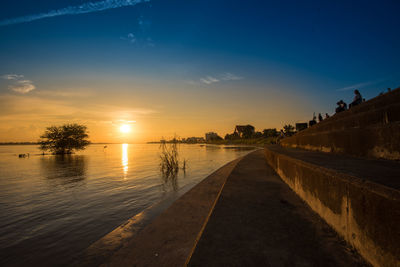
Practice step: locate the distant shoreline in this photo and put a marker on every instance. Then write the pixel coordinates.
(34, 143)
(250, 141)
(18, 143)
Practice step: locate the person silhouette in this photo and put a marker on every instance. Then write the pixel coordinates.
(357, 99)
(342, 106)
(320, 117)
(313, 121)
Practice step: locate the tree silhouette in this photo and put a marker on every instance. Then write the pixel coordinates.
(248, 131)
(289, 129)
(270, 132)
(64, 139)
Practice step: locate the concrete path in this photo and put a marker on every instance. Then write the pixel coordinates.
(259, 221)
(381, 171)
(170, 238)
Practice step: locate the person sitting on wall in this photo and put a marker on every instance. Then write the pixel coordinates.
(313, 121)
(357, 99)
(342, 106)
(320, 117)
(326, 116)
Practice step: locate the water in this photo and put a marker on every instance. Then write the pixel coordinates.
(53, 207)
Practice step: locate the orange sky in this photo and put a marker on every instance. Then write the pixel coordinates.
(152, 109)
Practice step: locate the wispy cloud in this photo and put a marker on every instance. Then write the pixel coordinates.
(227, 76)
(81, 93)
(230, 77)
(209, 80)
(88, 7)
(355, 86)
(133, 39)
(362, 85)
(12, 76)
(19, 83)
(140, 38)
(23, 86)
(130, 37)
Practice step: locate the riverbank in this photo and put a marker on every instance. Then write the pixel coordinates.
(259, 142)
(242, 214)
(169, 238)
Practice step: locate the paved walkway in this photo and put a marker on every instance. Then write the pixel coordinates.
(169, 239)
(259, 221)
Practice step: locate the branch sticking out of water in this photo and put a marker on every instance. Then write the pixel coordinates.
(169, 156)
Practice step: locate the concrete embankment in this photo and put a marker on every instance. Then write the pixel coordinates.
(169, 239)
(241, 215)
(371, 129)
(359, 199)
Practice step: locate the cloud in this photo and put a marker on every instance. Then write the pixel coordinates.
(81, 93)
(355, 86)
(130, 37)
(23, 86)
(140, 38)
(227, 76)
(133, 39)
(88, 7)
(361, 85)
(230, 77)
(12, 76)
(209, 80)
(20, 85)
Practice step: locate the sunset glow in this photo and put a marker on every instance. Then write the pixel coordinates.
(125, 159)
(131, 74)
(125, 128)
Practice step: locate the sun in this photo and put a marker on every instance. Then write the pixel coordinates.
(125, 128)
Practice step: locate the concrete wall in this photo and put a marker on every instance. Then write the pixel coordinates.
(365, 214)
(371, 129)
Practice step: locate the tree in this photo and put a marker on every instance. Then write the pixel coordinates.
(232, 136)
(211, 136)
(288, 129)
(257, 135)
(248, 131)
(270, 132)
(64, 139)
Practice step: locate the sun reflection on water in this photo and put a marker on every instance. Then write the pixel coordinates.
(125, 159)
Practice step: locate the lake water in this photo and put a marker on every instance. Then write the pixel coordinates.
(53, 207)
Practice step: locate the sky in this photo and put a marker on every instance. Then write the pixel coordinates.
(188, 67)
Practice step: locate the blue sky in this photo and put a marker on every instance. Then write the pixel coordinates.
(306, 54)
